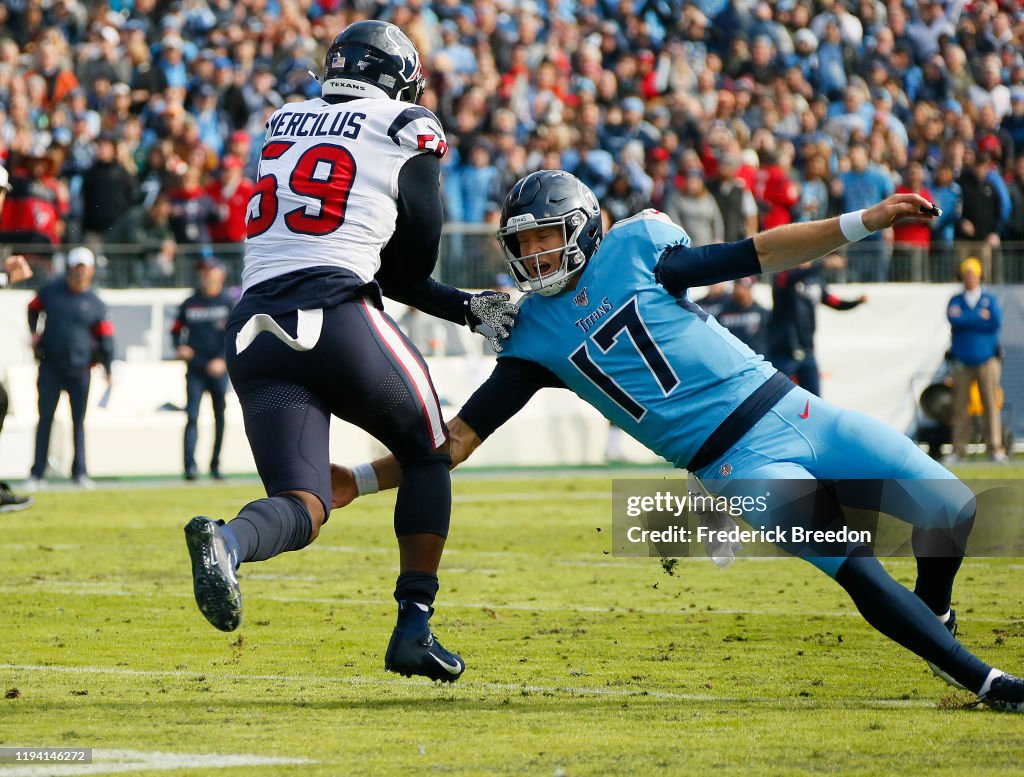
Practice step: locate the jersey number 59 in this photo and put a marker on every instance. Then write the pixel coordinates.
(324, 173)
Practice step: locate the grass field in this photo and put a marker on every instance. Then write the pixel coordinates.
(580, 663)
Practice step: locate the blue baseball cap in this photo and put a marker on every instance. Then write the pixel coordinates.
(633, 104)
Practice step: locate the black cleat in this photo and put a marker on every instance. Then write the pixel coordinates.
(1006, 694)
(213, 574)
(951, 628)
(11, 503)
(413, 650)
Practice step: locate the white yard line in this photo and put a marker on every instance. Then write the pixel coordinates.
(638, 692)
(89, 588)
(119, 761)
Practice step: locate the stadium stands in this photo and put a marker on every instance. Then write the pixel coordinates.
(639, 91)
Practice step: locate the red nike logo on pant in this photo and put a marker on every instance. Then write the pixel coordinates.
(807, 410)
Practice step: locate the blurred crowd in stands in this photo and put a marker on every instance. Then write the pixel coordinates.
(141, 122)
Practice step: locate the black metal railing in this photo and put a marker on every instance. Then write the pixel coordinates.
(470, 258)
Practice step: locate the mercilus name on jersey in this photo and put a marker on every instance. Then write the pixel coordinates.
(317, 125)
(588, 321)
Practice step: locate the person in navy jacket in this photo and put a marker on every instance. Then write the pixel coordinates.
(198, 338)
(975, 318)
(78, 334)
(796, 294)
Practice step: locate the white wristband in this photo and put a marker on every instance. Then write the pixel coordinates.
(366, 479)
(852, 226)
(4, 279)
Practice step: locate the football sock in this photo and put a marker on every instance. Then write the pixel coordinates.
(944, 618)
(418, 587)
(905, 619)
(988, 681)
(424, 502)
(268, 527)
(939, 555)
(232, 542)
(934, 584)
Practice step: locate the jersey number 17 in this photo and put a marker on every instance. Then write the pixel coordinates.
(626, 319)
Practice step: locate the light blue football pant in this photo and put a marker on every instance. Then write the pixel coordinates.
(789, 455)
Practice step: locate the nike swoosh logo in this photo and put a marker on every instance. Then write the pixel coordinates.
(455, 668)
(807, 410)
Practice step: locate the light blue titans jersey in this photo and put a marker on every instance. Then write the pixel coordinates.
(655, 365)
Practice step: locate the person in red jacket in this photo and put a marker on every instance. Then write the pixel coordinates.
(912, 240)
(776, 189)
(230, 195)
(37, 202)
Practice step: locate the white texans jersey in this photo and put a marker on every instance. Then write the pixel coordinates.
(328, 183)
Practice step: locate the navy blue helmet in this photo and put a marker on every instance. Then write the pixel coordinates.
(550, 198)
(373, 59)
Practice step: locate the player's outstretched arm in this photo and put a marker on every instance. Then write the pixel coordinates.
(385, 473)
(787, 246)
(682, 267)
(410, 256)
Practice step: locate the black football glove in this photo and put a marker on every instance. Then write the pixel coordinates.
(490, 314)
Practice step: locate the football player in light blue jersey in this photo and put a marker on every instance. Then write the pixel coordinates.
(610, 318)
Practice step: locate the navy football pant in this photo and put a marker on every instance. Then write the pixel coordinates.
(360, 368)
(197, 383)
(52, 381)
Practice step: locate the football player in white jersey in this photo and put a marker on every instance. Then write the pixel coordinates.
(15, 268)
(347, 207)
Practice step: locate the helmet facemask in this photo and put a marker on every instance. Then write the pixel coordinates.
(526, 269)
